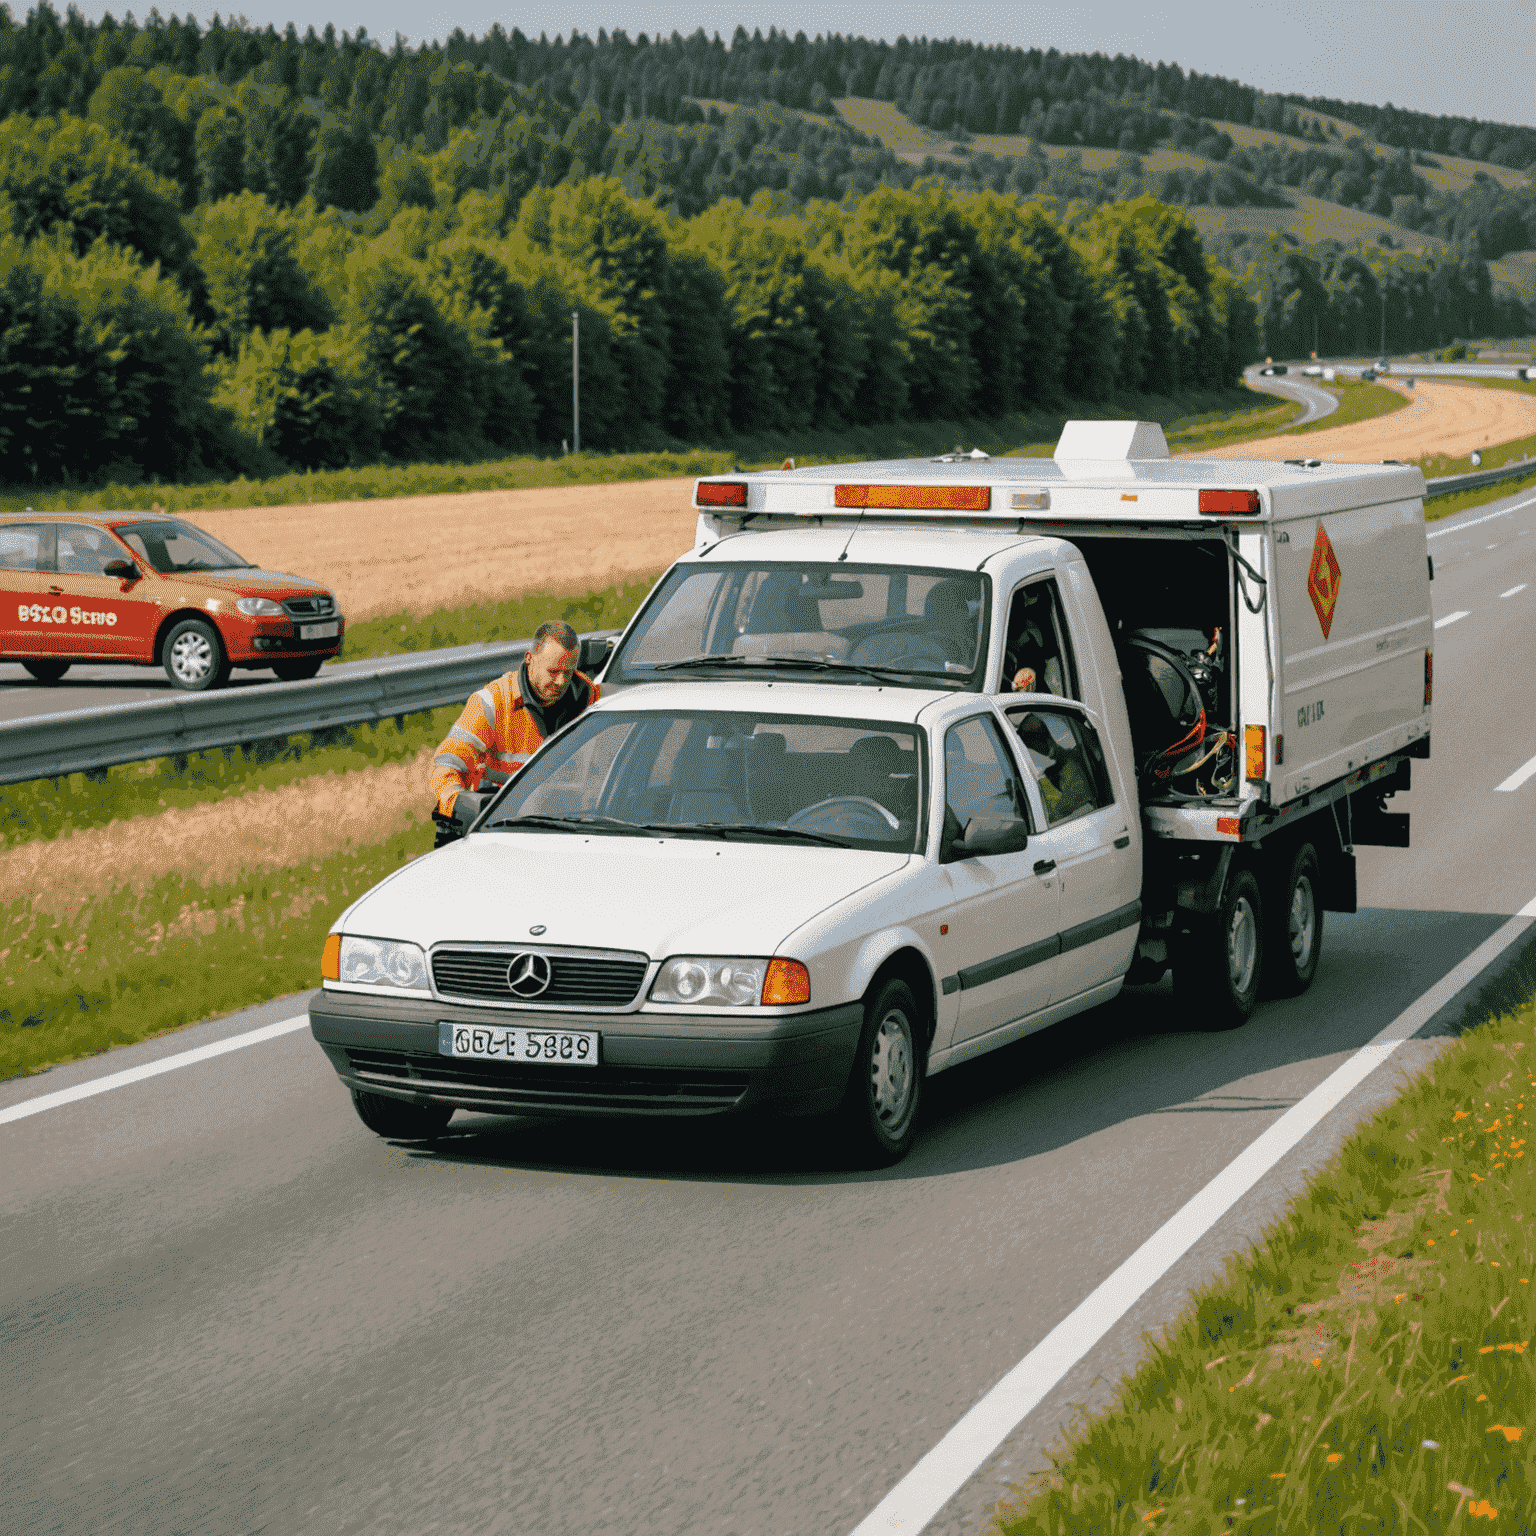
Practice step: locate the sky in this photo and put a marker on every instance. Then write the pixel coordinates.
(1471, 58)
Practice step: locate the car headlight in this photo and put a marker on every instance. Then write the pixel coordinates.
(735, 981)
(383, 963)
(260, 607)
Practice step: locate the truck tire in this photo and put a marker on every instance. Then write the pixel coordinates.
(398, 1120)
(194, 657)
(1219, 964)
(877, 1120)
(1293, 940)
(47, 671)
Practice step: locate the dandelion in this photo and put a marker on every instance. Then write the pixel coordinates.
(1317, 1362)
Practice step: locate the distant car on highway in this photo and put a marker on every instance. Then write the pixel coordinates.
(1270, 370)
(1313, 370)
(152, 590)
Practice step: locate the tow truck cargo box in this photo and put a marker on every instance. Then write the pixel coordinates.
(1316, 575)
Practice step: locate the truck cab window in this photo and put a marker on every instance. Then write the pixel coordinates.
(1065, 755)
(980, 781)
(1036, 642)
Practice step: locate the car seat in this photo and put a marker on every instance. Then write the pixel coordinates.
(711, 794)
(947, 619)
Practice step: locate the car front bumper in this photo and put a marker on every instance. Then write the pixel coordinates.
(649, 1063)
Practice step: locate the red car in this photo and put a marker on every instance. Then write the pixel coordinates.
(152, 590)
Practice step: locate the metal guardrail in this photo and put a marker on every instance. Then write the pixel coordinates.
(81, 740)
(1449, 485)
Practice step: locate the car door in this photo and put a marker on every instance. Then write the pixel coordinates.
(107, 615)
(1002, 942)
(1037, 641)
(1091, 838)
(26, 574)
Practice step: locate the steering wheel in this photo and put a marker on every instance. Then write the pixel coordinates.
(895, 648)
(826, 815)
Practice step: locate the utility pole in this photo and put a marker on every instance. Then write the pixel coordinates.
(1383, 320)
(576, 380)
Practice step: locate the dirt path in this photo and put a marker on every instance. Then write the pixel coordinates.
(415, 554)
(1439, 418)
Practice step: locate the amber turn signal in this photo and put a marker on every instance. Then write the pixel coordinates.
(787, 981)
(717, 493)
(1253, 751)
(1229, 503)
(330, 958)
(916, 498)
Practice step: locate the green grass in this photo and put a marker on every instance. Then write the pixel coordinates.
(1444, 506)
(1357, 402)
(131, 966)
(1003, 434)
(1391, 1307)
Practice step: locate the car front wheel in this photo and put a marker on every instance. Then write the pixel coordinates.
(397, 1120)
(194, 656)
(878, 1115)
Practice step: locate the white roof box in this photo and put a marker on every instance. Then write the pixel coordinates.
(1111, 440)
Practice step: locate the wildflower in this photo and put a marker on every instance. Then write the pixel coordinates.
(1509, 1431)
(1431, 1445)
(1277, 1474)
(1336, 1456)
(1151, 1515)
(1399, 1296)
(1482, 1507)
(1482, 1397)
(1461, 1114)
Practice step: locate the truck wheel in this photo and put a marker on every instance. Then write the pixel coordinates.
(1293, 942)
(47, 671)
(1219, 965)
(297, 671)
(399, 1121)
(193, 656)
(877, 1120)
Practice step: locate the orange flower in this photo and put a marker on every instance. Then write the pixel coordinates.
(1277, 1474)
(1482, 1507)
(1509, 1431)
(1151, 1515)
(1337, 1456)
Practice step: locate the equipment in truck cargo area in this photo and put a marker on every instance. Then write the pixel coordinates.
(1173, 680)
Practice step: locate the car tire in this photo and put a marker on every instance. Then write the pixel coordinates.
(1293, 940)
(877, 1119)
(297, 671)
(397, 1120)
(47, 671)
(1219, 964)
(194, 657)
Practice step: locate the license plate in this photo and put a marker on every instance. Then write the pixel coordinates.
(543, 1047)
(318, 631)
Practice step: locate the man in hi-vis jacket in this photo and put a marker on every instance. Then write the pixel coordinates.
(503, 723)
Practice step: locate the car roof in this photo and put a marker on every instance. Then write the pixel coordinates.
(97, 519)
(758, 697)
(909, 548)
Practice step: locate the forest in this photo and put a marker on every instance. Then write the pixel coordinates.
(231, 250)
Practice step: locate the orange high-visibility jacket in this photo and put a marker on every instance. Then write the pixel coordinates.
(497, 731)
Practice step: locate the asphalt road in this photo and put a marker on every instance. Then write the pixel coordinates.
(225, 1307)
(1318, 401)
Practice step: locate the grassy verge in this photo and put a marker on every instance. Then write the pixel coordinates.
(1244, 411)
(1357, 402)
(1444, 506)
(129, 966)
(1368, 1365)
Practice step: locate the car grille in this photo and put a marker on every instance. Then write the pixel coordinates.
(319, 607)
(508, 1087)
(578, 978)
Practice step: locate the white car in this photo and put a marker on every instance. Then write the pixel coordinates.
(705, 897)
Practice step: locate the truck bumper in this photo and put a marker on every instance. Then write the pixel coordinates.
(648, 1064)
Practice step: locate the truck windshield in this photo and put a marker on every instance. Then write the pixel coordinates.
(870, 624)
(726, 778)
(172, 546)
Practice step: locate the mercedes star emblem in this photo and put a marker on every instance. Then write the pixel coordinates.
(529, 973)
(537, 929)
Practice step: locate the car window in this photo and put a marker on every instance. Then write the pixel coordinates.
(172, 546)
(980, 779)
(85, 551)
(1065, 755)
(1037, 638)
(21, 546)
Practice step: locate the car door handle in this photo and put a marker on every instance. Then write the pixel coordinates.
(1044, 866)
(1123, 842)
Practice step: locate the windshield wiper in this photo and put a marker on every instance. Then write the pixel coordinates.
(808, 663)
(747, 829)
(581, 823)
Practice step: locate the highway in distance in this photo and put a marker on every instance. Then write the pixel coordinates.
(226, 1307)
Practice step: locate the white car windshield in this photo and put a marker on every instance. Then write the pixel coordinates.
(728, 777)
(172, 546)
(853, 623)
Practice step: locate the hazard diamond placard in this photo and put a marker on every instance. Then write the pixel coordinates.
(1323, 578)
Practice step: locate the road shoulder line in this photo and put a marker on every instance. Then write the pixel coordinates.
(925, 1490)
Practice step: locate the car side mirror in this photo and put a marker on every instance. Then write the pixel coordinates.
(124, 570)
(595, 651)
(985, 835)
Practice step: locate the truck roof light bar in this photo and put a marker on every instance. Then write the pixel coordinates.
(916, 498)
(1229, 503)
(720, 493)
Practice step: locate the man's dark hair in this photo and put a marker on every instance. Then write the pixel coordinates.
(558, 631)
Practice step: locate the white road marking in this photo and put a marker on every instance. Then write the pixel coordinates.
(929, 1486)
(1513, 590)
(1517, 778)
(151, 1069)
(1451, 618)
(1440, 533)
